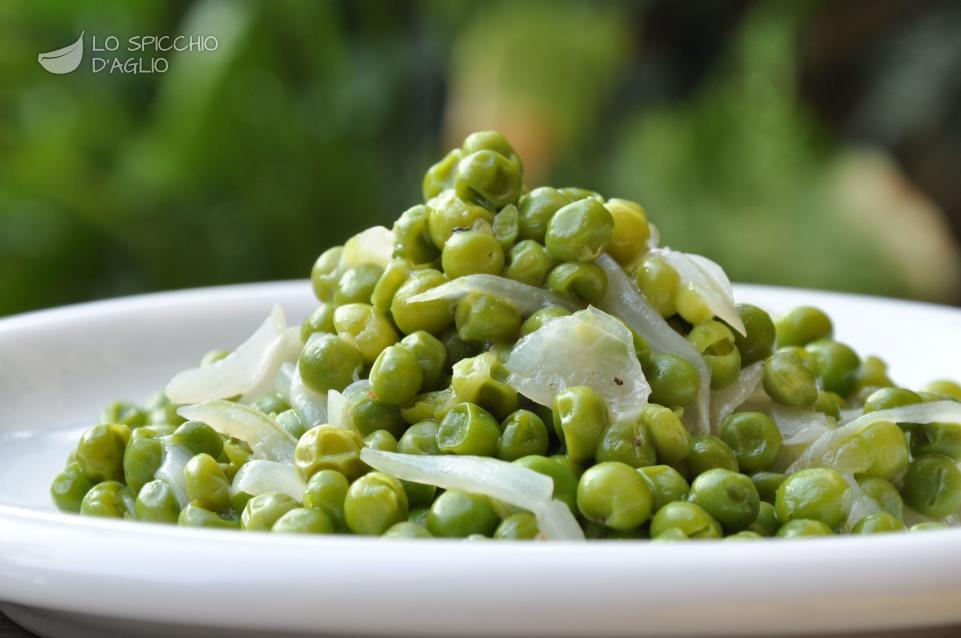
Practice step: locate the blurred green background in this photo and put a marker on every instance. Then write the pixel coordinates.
(800, 143)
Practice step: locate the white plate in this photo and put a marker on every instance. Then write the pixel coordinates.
(59, 367)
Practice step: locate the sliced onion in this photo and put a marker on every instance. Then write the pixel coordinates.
(726, 401)
(799, 429)
(282, 382)
(240, 371)
(589, 347)
(267, 439)
(258, 477)
(624, 301)
(172, 463)
(526, 299)
(861, 504)
(337, 409)
(310, 406)
(555, 522)
(372, 246)
(707, 279)
(286, 354)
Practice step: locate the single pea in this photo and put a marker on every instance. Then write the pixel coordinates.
(522, 433)
(670, 535)
(709, 452)
(688, 518)
(576, 193)
(480, 318)
(381, 440)
(483, 380)
(888, 448)
(803, 325)
(746, 535)
(627, 442)
(124, 413)
(291, 422)
(329, 363)
(829, 403)
(302, 520)
(932, 486)
(458, 349)
(945, 388)
(160, 411)
(934, 438)
(263, 510)
(195, 516)
(200, 438)
(396, 376)
(490, 141)
(141, 460)
(536, 209)
(325, 492)
(879, 523)
(157, 503)
(69, 487)
(488, 178)
(754, 438)
(411, 239)
(457, 514)
(788, 381)
(430, 354)
(692, 305)
(614, 495)
(449, 213)
(440, 176)
(803, 527)
(767, 484)
(395, 274)
(672, 441)
(542, 317)
(631, 231)
(108, 499)
(580, 419)
(874, 372)
(366, 414)
(730, 498)
(420, 438)
(430, 316)
(838, 366)
(328, 447)
(357, 284)
(468, 429)
(368, 330)
(673, 380)
(665, 483)
(563, 475)
(406, 530)
(505, 226)
(659, 283)
(758, 344)
(766, 523)
(884, 494)
(529, 263)
(206, 483)
(890, 397)
(818, 494)
(927, 526)
(430, 405)
(237, 451)
(715, 342)
(579, 231)
(100, 451)
(520, 526)
(325, 273)
(154, 431)
(472, 252)
(584, 281)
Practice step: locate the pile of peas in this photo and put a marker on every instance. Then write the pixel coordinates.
(438, 384)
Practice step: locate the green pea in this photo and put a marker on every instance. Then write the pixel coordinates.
(157, 503)
(357, 284)
(301, 520)
(325, 273)
(709, 452)
(155, 431)
(200, 438)
(468, 429)
(529, 263)
(580, 419)
(575, 193)
(100, 451)
(374, 503)
(874, 372)
(614, 495)
(263, 510)
(430, 405)
(671, 440)
(109, 499)
(518, 527)
(430, 316)
(888, 447)
(291, 422)
(406, 530)
(329, 363)
(631, 231)
(195, 516)
(411, 238)
(802, 527)
(368, 330)
(788, 380)
(457, 514)
(449, 214)
(320, 320)
(396, 273)
(536, 209)
(766, 523)
(838, 366)
(420, 438)
(440, 176)
(884, 494)
(483, 380)
(746, 535)
(69, 487)
(381, 440)
(237, 451)
(488, 178)
(715, 342)
(935, 438)
(141, 460)
(584, 281)
(124, 413)
(490, 141)
(692, 306)
(674, 381)
(879, 523)
(754, 438)
(670, 535)
(829, 403)
(890, 397)
(758, 344)
(325, 492)
(665, 483)
(395, 377)
(472, 252)
(579, 231)
(206, 483)
(523, 434)
(932, 486)
(163, 413)
(945, 388)
(659, 283)
(430, 354)
(563, 475)
(730, 498)
(328, 447)
(627, 442)
(505, 226)
(803, 325)
(542, 317)
(927, 526)
(818, 494)
(687, 518)
(767, 484)
(366, 414)
(480, 318)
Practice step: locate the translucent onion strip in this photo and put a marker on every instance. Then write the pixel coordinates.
(727, 400)
(708, 280)
(172, 463)
(310, 406)
(259, 476)
(526, 299)
(267, 439)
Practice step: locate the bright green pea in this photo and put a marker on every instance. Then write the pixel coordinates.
(672, 441)
(614, 495)
(692, 305)
(932, 486)
(584, 281)
(542, 317)
(325, 273)
(529, 263)
(291, 422)
(109, 499)
(665, 483)
(420, 438)
(237, 451)
(329, 362)
(802, 527)
(579, 231)
(715, 342)
(325, 492)
(440, 176)
(890, 397)
(154, 431)
(468, 429)
(430, 316)
(457, 514)
(670, 535)
(489, 141)
(659, 283)
(627, 442)
(263, 510)
(301, 520)
(874, 372)
(788, 380)
(406, 530)
(100, 451)
(888, 447)
(430, 405)
(124, 413)
(374, 503)
(536, 209)
(449, 214)
(200, 438)
(818, 494)
(580, 420)
(523, 434)
(631, 231)
(366, 414)
(141, 460)
(754, 438)
(483, 380)
(320, 320)
(206, 483)
(328, 447)
(368, 330)
(480, 318)
(472, 252)
(837, 364)
(576, 193)
(709, 452)
(803, 325)
(357, 284)
(270, 403)
(563, 475)
(157, 503)
(730, 498)
(396, 273)
(517, 527)
(411, 239)
(488, 178)
(674, 381)
(505, 226)
(195, 516)
(829, 403)
(879, 523)
(430, 354)
(69, 487)
(767, 484)
(396, 377)
(758, 344)
(381, 440)
(688, 518)
(766, 523)
(945, 388)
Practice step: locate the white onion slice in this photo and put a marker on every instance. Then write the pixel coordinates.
(508, 482)
(372, 246)
(267, 439)
(725, 401)
(707, 279)
(258, 477)
(337, 409)
(623, 300)
(240, 371)
(172, 463)
(310, 406)
(861, 504)
(282, 381)
(589, 347)
(526, 299)
(286, 354)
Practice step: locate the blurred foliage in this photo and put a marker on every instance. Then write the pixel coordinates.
(315, 119)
